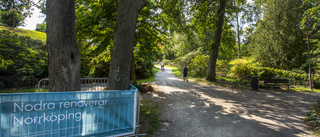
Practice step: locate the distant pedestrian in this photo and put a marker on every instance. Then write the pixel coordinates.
(185, 73)
(162, 66)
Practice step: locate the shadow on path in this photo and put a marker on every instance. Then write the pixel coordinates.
(192, 109)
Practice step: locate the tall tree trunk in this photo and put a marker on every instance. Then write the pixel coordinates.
(238, 31)
(63, 51)
(123, 41)
(211, 71)
(238, 36)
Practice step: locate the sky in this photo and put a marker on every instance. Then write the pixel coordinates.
(36, 18)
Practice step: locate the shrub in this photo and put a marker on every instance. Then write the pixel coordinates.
(199, 65)
(223, 67)
(313, 118)
(241, 69)
(316, 83)
(265, 73)
(179, 62)
(22, 59)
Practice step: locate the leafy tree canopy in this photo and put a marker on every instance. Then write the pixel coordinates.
(14, 12)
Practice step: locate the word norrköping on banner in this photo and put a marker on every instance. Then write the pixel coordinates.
(101, 113)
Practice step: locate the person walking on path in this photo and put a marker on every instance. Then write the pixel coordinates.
(185, 73)
(162, 66)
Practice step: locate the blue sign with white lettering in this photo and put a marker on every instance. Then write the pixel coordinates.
(65, 114)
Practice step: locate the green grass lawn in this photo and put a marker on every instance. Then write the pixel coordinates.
(304, 89)
(32, 34)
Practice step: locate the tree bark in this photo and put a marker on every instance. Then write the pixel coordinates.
(63, 51)
(211, 71)
(238, 36)
(123, 41)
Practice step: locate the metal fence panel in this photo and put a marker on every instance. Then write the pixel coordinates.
(64, 114)
(87, 84)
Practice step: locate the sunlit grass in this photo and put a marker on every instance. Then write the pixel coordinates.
(22, 32)
(304, 89)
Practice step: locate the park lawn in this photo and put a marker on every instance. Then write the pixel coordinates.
(22, 32)
(305, 89)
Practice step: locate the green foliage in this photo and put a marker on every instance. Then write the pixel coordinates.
(152, 78)
(198, 66)
(94, 25)
(312, 118)
(186, 59)
(242, 69)
(266, 73)
(13, 12)
(147, 37)
(23, 59)
(41, 27)
(278, 37)
(223, 67)
(311, 17)
(95, 28)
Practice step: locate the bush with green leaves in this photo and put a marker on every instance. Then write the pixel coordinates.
(265, 73)
(242, 70)
(199, 65)
(312, 118)
(185, 60)
(23, 60)
(223, 67)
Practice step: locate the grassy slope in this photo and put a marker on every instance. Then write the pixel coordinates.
(32, 34)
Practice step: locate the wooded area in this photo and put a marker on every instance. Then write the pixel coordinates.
(215, 39)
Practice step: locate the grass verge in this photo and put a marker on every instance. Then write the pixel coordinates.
(149, 117)
(304, 89)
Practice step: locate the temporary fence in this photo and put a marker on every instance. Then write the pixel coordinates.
(87, 84)
(76, 113)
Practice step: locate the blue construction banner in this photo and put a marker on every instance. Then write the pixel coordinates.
(65, 114)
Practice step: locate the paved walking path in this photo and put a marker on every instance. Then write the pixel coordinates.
(202, 110)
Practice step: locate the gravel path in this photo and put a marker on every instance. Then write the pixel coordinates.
(202, 110)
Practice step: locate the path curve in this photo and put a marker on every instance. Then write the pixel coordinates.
(202, 110)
